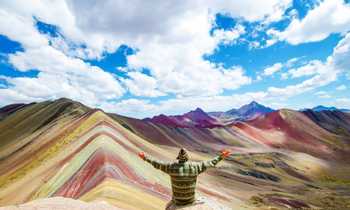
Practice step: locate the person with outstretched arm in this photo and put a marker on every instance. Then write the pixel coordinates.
(183, 174)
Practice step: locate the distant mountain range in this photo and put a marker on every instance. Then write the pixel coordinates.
(327, 108)
(201, 119)
(64, 148)
(195, 118)
(245, 112)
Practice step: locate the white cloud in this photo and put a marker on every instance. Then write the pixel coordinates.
(20, 29)
(341, 87)
(322, 94)
(178, 65)
(142, 85)
(171, 40)
(341, 55)
(325, 74)
(9, 96)
(291, 62)
(145, 108)
(228, 36)
(251, 10)
(131, 107)
(339, 103)
(270, 42)
(138, 21)
(322, 73)
(342, 102)
(172, 46)
(331, 16)
(284, 76)
(60, 75)
(254, 44)
(311, 68)
(274, 96)
(272, 69)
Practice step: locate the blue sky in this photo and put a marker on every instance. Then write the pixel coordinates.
(140, 59)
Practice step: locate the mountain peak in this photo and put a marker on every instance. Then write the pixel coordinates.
(252, 108)
(194, 118)
(245, 112)
(198, 111)
(254, 103)
(63, 99)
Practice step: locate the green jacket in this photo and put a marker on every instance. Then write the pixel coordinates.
(184, 177)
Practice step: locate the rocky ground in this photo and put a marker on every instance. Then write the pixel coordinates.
(60, 203)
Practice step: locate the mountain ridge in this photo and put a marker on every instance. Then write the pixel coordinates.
(64, 148)
(245, 112)
(194, 118)
(199, 118)
(321, 108)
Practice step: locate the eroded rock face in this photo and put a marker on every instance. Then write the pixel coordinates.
(60, 203)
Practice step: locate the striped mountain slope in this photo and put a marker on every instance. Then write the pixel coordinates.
(66, 149)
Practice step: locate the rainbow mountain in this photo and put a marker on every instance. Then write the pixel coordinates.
(281, 158)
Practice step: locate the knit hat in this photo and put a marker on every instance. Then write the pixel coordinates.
(183, 156)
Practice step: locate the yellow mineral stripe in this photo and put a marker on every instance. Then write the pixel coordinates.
(124, 196)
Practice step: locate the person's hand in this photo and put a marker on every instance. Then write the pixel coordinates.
(225, 153)
(142, 155)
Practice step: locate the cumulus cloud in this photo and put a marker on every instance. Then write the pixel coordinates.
(341, 87)
(311, 68)
(322, 73)
(59, 75)
(21, 29)
(181, 63)
(56, 67)
(291, 62)
(272, 69)
(140, 84)
(228, 36)
(276, 97)
(326, 74)
(176, 61)
(334, 16)
(251, 10)
(171, 40)
(132, 107)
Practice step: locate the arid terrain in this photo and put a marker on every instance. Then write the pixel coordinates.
(280, 159)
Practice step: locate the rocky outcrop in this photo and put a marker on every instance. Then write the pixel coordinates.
(60, 203)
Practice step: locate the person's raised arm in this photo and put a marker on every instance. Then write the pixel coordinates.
(204, 165)
(155, 163)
